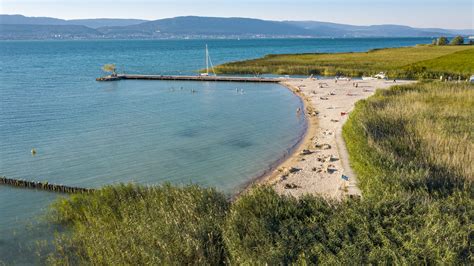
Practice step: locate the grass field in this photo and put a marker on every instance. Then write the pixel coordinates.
(412, 147)
(422, 61)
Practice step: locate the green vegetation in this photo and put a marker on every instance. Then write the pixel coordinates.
(415, 145)
(396, 62)
(109, 68)
(442, 41)
(136, 225)
(459, 62)
(415, 141)
(458, 40)
(263, 227)
(412, 147)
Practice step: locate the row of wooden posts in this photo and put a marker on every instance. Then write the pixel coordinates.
(43, 186)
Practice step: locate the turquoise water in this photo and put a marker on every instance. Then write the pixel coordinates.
(91, 134)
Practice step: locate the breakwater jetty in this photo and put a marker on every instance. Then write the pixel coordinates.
(43, 186)
(191, 78)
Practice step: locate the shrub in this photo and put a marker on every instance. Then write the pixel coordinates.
(458, 40)
(129, 224)
(442, 41)
(109, 68)
(264, 227)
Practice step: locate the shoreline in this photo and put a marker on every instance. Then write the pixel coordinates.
(319, 163)
(271, 172)
(306, 139)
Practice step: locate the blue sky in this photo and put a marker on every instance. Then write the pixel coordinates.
(457, 14)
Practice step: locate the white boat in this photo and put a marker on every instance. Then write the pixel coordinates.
(471, 79)
(380, 75)
(369, 78)
(343, 78)
(208, 61)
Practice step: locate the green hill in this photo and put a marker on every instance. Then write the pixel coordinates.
(212, 27)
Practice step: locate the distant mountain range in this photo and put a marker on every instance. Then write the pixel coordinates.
(344, 30)
(91, 23)
(18, 27)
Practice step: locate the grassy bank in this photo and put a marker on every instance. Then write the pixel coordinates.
(412, 147)
(416, 139)
(409, 62)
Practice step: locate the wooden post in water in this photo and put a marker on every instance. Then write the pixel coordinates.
(43, 186)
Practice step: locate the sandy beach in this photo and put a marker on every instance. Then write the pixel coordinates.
(320, 165)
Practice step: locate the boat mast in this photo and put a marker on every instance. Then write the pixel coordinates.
(207, 60)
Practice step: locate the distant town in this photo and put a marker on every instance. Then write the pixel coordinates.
(18, 27)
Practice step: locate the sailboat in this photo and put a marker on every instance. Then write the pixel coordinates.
(208, 62)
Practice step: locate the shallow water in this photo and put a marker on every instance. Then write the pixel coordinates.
(146, 132)
(90, 134)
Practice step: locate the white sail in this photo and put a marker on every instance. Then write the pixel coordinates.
(208, 62)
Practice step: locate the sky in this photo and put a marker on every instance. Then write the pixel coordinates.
(453, 14)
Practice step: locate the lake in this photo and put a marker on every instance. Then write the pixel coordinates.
(91, 134)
